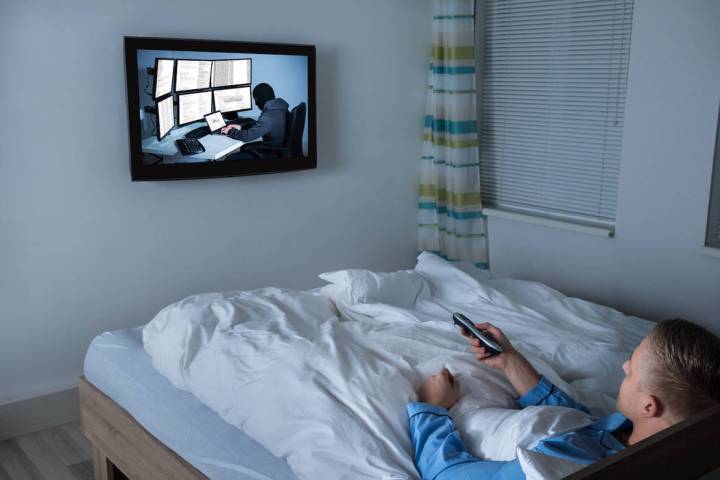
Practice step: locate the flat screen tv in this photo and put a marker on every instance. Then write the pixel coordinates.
(205, 108)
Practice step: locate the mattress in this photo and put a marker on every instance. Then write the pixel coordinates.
(117, 364)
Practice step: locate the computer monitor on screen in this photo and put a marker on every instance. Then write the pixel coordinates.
(226, 73)
(165, 116)
(192, 75)
(164, 73)
(233, 99)
(193, 107)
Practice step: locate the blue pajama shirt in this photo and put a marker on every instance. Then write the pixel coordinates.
(441, 455)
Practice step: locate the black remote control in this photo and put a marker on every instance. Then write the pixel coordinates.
(485, 339)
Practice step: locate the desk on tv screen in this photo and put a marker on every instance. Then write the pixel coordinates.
(216, 146)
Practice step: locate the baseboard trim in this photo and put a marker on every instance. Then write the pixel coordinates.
(38, 413)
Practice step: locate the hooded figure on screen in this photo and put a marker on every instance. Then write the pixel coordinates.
(270, 125)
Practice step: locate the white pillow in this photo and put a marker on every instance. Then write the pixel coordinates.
(352, 287)
(453, 282)
(496, 433)
(537, 466)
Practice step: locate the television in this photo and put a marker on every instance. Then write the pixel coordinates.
(250, 106)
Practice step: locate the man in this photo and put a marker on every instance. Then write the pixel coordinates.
(673, 374)
(270, 125)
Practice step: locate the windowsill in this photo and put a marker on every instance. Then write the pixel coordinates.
(599, 231)
(710, 252)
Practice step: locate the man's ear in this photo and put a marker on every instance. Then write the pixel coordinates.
(651, 406)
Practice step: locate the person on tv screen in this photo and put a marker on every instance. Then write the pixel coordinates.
(270, 125)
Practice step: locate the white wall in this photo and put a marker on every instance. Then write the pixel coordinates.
(653, 267)
(84, 250)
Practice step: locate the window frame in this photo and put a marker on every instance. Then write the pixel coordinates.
(712, 229)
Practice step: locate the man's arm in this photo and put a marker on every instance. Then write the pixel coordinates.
(260, 128)
(533, 388)
(546, 393)
(440, 453)
(519, 372)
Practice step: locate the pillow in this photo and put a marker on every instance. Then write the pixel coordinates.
(537, 466)
(453, 282)
(351, 287)
(496, 433)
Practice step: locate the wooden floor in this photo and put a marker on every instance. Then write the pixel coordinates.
(60, 453)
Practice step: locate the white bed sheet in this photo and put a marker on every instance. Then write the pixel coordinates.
(328, 393)
(117, 364)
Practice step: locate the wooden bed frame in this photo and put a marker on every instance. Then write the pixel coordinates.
(122, 448)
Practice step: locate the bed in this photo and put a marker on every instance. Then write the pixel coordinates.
(119, 374)
(339, 364)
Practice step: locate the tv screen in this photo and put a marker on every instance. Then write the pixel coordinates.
(204, 108)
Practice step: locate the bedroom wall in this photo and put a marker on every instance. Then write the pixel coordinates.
(84, 250)
(654, 266)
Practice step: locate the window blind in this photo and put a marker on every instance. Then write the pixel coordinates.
(553, 81)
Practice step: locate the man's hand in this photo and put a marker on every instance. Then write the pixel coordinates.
(440, 389)
(521, 374)
(482, 354)
(227, 128)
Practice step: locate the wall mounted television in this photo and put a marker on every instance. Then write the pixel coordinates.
(206, 108)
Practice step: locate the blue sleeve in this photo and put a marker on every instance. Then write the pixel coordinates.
(441, 455)
(545, 393)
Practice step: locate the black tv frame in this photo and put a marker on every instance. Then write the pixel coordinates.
(181, 171)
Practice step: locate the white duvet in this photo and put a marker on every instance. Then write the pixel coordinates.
(322, 379)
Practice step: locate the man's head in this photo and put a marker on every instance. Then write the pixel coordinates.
(262, 93)
(673, 373)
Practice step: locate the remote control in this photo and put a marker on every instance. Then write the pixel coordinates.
(485, 339)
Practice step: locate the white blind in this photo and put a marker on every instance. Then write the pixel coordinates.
(553, 98)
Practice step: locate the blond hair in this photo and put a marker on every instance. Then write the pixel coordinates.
(685, 367)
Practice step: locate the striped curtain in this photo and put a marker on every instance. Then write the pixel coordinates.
(451, 223)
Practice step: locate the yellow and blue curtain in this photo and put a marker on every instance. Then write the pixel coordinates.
(451, 223)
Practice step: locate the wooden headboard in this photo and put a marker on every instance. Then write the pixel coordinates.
(689, 449)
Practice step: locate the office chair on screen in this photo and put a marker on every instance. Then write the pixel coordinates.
(292, 143)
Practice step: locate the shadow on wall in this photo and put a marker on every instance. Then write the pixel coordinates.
(329, 110)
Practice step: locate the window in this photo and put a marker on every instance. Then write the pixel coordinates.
(712, 238)
(553, 76)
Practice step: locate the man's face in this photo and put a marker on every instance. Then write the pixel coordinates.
(631, 399)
